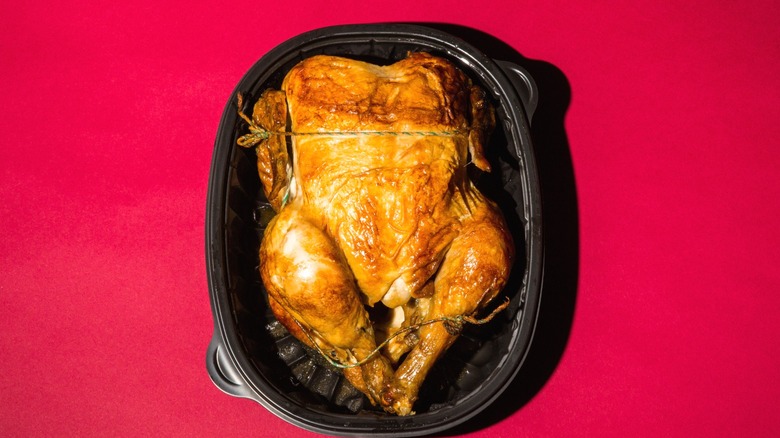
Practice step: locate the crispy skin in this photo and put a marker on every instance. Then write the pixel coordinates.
(379, 218)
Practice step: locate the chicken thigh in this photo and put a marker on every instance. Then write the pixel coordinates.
(375, 209)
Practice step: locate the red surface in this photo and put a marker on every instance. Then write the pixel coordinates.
(108, 121)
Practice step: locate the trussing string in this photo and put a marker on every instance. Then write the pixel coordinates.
(257, 133)
(448, 321)
(452, 324)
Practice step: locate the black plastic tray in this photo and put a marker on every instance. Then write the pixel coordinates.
(252, 356)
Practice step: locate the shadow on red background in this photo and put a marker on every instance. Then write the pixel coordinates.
(560, 227)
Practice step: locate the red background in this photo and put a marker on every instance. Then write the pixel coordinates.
(662, 319)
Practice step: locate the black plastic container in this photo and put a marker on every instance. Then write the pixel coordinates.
(252, 356)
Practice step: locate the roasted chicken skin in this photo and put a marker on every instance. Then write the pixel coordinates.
(375, 208)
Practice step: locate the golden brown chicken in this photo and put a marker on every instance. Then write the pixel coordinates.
(375, 208)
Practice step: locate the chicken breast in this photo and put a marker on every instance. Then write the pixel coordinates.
(375, 209)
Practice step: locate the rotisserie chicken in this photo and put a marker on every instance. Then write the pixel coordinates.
(375, 209)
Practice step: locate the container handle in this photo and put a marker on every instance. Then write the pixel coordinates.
(524, 84)
(222, 370)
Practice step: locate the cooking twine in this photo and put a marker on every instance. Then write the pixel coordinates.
(258, 134)
(453, 325)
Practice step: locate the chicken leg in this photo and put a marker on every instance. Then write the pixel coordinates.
(474, 270)
(314, 295)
